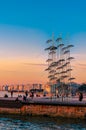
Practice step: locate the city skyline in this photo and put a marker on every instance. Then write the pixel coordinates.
(26, 25)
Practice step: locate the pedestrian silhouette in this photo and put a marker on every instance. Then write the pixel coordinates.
(80, 96)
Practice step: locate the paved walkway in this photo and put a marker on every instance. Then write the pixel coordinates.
(71, 100)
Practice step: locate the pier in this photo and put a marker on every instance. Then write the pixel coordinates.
(43, 107)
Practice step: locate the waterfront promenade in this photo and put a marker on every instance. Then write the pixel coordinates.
(44, 106)
(48, 100)
(42, 99)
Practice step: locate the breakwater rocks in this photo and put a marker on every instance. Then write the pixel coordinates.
(43, 108)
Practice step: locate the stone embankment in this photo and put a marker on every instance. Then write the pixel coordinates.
(43, 107)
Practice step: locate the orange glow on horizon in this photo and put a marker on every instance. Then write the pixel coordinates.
(23, 71)
(20, 71)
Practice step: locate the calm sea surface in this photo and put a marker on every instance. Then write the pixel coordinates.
(40, 123)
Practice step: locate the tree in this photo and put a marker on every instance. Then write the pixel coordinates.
(82, 87)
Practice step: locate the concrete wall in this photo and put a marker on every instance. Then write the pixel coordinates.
(53, 110)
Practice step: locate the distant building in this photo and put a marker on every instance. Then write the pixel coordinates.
(6, 88)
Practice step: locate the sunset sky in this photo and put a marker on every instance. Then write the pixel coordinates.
(25, 25)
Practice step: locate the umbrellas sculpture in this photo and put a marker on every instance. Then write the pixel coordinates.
(59, 62)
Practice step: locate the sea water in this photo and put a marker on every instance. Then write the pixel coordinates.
(40, 123)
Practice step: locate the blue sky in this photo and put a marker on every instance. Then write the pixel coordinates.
(25, 25)
(43, 17)
(65, 16)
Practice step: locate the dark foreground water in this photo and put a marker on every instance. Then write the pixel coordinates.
(40, 123)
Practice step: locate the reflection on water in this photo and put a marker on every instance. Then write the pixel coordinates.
(40, 123)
